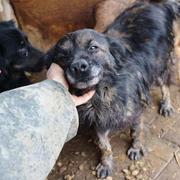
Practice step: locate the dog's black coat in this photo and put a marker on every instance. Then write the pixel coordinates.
(139, 55)
(131, 54)
(16, 56)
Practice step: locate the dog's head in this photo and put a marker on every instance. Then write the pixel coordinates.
(16, 53)
(85, 55)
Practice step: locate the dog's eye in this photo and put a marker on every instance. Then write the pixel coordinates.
(22, 43)
(93, 48)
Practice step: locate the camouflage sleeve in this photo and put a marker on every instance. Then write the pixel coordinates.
(35, 122)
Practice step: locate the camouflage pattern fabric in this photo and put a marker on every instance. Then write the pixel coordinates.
(35, 122)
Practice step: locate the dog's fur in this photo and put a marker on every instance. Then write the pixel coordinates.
(107, 11)
(121, 64)
(16, 56)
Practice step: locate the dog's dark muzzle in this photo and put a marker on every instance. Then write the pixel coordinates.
(79, 67)
(83, 75)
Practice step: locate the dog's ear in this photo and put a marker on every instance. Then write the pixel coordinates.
(49, 56)
(3, 61)
(117, 50)
(5, 26)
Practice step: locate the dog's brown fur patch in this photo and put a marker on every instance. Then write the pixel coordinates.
(106, 12)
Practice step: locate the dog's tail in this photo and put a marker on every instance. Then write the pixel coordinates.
(174, 7)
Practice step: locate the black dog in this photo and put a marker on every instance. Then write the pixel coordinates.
(16, 56)
(120, 65)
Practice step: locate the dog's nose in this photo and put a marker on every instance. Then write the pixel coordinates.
(80, 66)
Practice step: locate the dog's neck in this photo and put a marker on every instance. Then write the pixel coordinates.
(80, 92)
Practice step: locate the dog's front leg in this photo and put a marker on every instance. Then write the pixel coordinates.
(104, 168)
(165, 109)
(137, 150)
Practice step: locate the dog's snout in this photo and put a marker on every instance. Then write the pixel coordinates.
(80, 66)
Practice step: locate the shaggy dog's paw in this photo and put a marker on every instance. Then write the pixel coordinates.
(165, 108)
(135, 153)
(103, 171)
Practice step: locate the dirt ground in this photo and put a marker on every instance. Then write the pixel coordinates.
(162, 162)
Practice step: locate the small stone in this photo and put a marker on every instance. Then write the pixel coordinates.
(81, 167)
(71, 162)
(68, 177)
(64, 168)
(93, 173)
(140, 163)
(132, 167)
(126, 171)
(109, 178)
(128, 177)
(139, 177)
(135, 172)
(83, 154)
(92, 168)
(77, 153)
(59, 164)
(144, 169)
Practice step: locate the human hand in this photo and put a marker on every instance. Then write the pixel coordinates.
(56, 73)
